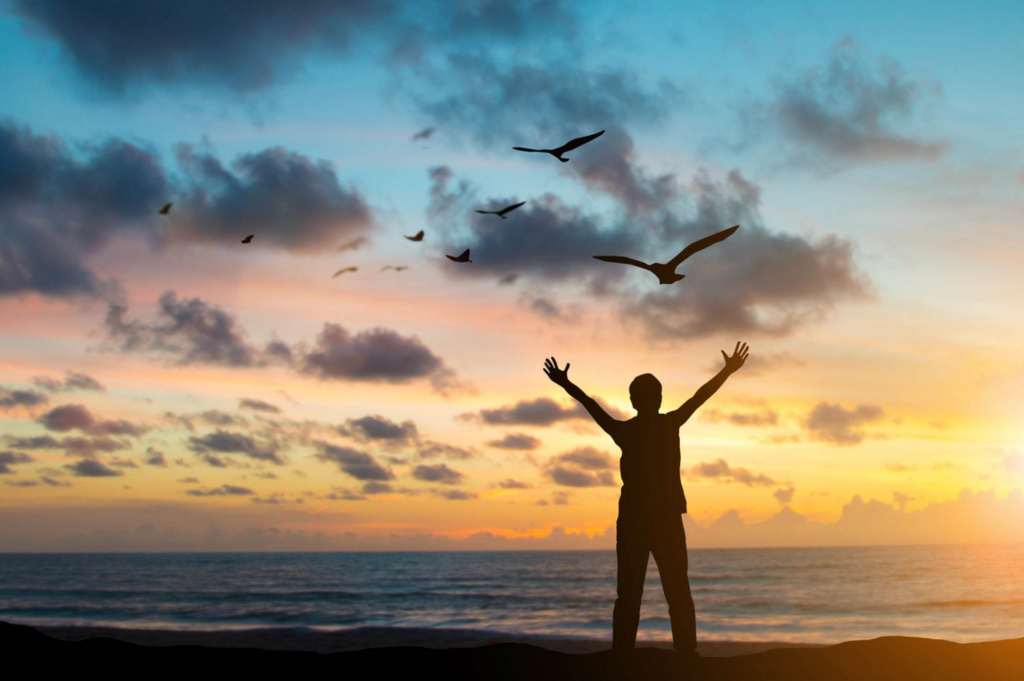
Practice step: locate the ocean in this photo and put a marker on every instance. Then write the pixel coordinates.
(960, 593)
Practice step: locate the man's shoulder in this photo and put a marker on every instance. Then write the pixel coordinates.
(624, 430)
(669, 419)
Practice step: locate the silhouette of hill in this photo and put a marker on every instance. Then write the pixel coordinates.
(882, 659)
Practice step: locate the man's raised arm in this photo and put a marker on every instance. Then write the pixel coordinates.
(561, 377)
(733, 363)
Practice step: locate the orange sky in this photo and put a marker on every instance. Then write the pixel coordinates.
(945, 423)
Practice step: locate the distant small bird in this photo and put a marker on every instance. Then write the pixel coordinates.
(461, 257)
(423, 134)
(508, 279)
(248, 239)
(166, 208)
(396, 268)
(666, 272)
(568, 146)
(345, 270)
(418, 236)
(352, 245)
(501, 213)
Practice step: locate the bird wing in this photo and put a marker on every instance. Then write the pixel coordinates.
(344, 270)
(464, 254)
(416, 237)
(529, 149)
(487, 212)
(701, 244)
(623, 260)
(509, 209)
(579, 142)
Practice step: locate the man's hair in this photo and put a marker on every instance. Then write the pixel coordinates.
(645, 390)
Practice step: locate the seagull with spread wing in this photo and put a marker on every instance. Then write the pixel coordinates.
(501, 213)
(248, 239)
(666, 271)
(396, 268)
(165, 209)
(345, 270)
(418, 236)
(568, 146)
(461, 257)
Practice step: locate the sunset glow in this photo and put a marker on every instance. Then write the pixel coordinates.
(165, 387)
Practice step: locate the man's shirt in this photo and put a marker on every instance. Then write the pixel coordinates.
(649, 465)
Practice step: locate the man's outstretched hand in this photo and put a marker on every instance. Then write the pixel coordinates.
(734, 361)
(559, 376)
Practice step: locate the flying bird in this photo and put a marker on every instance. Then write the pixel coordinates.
(248, 239)
(166, 208)
(461, 257)
(423, 134)
(501, 213)
(418, 236)
(352, 245)
(345, 270)
(396, 268)
(666, 271)
(568, 146)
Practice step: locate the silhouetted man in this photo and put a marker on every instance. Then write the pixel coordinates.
(651, 502)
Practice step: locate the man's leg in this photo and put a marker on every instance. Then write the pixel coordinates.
(669, 548)
(631, 551)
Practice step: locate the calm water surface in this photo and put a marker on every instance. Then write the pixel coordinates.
(817, 594)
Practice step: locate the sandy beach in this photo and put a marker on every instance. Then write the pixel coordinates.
(387, 653)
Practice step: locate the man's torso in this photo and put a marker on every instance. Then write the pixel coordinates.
(650, 467)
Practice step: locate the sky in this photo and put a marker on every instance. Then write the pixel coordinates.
(165, 387)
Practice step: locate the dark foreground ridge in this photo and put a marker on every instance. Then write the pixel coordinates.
(361, 638)
(882, 659)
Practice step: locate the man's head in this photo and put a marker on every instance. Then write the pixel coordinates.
(645, 394)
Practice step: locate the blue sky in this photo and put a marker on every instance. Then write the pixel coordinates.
(720, 57)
